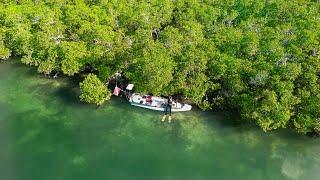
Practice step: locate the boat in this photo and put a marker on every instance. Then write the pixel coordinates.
(156, 103)
(150, 102)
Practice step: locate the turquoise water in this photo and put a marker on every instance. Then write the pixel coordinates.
(46, 133)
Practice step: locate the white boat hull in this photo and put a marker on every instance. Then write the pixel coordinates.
(187, 107)
(157, 104)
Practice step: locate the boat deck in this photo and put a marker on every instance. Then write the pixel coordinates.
(157, 103)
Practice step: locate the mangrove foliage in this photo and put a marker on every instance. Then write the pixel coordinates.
(260, 58)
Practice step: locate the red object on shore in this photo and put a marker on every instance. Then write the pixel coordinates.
(116, 91)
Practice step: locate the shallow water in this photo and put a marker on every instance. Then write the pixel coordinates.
(46, 133)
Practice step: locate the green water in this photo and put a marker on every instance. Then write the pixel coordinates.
(46, 133)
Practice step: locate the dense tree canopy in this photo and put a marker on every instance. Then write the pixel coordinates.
(261, 58)
(93, 90)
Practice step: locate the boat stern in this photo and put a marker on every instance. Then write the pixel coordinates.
(187, 107)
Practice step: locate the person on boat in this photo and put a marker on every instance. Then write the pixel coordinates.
(168, 108)
(149, 99)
